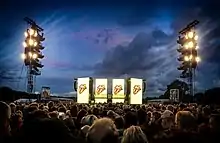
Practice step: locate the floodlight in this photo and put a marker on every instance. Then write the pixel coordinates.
(23, 56)
(191, 44)
(25, 34)
(35, 44)
(31, 42)
(186, 58)
(190, 34)
(24, 44)
(31, 32)
(196, 37)
(34, 56)
(30, 54)
(190, 57)
(198, 59)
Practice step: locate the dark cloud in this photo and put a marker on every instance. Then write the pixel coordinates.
(139, 59)
(132, 59)
(144, 56)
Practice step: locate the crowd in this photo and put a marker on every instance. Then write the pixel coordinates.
(108, 123)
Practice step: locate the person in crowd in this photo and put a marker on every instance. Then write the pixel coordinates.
(108, 122)
(167, 119)
(5, 115)
(134, 134)
(102, 131)
(120, 124)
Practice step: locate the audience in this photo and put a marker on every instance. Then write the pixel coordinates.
(108, 123)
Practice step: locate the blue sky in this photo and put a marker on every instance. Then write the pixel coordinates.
(110, 39)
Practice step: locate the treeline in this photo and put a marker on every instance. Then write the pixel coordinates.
(8, 95)
(210, 96)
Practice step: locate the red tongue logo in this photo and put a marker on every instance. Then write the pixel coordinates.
(82, 88)
(100, 89)
(117, 89)
(136, 89)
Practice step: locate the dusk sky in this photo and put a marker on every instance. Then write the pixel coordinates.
(110, 39)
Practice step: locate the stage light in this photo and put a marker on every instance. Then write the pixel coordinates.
(23, 56)
(25, 34)
(34, 56)
(35, 44)
(198, 59)
(191, 44)
(196, 37)
(31, 32)
(190, 57)
(190, 34)
(186, 58)
(31, 42)
(30, 54)
(186, 46)
(24, 44)
(188, 50)
(35, 34)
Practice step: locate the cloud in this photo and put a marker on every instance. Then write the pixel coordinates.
(136, 58)
(153, 55)
(107, 37)
(145, 57)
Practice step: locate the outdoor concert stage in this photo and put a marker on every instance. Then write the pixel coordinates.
(102, 90)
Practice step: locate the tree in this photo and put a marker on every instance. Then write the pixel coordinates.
(9, 95)
(198, 97)
(177, 84)
(212, 96)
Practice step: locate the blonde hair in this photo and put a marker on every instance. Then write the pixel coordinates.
(100, 129)
(134, 134)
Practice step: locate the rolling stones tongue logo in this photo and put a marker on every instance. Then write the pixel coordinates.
(82, 88)
(136, 89)
(100, 89)
(117, 89)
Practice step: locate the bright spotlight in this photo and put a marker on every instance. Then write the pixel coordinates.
(31, 42)
(198, 59)
(186, 46)
(35, 44)
(35, 34)
(30, 54)
(186, 58)
(24, 44)
(191, 44)
(23, 56)
(34, 56)
(25, 34)
(186, 36)
(31, 31)
(196, 37)
(197, 47)
(190, 57)
(190, 34)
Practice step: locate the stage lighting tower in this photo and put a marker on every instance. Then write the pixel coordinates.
(188, 49)
(32, 55)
